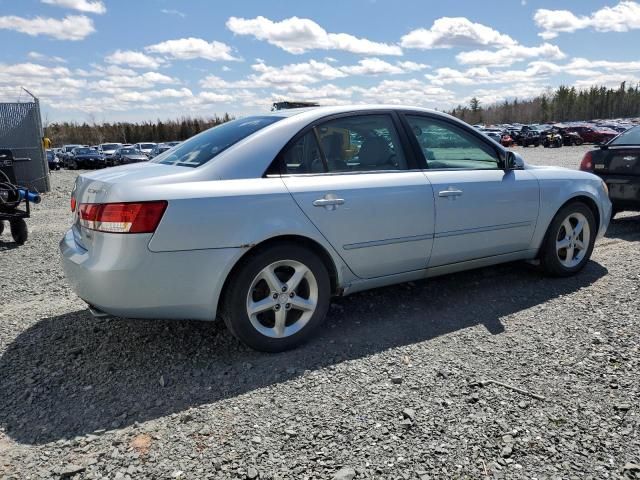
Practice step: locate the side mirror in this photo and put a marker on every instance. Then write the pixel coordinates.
(513, 161)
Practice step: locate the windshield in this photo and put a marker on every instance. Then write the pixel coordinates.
(129, 151)
(84, 151)
(630, 137)
(203, 147)
(147, 146)
(110, 146)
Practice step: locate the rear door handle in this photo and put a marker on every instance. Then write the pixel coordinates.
(324, 202)
(451, 192)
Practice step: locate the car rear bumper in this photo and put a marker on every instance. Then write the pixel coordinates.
(624, 191)
(122, 277)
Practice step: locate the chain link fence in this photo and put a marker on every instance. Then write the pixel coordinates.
(21, 132)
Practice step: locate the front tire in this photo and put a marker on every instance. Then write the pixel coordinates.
(569, 241)
(277, 298)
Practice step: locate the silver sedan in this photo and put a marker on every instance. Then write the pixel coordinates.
(261, 220)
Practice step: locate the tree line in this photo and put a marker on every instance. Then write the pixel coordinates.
(128, 132)
(559, 105)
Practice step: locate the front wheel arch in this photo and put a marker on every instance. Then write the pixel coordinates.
(588, 201)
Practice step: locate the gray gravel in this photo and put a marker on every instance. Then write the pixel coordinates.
(494, 373)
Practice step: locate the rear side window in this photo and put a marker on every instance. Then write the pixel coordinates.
(359, 143)
(630, 137)
(303, 156)
(203, 147)
(446, 146)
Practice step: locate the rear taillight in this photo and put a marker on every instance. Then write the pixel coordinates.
(73, 203)
(587, 162)
(139, 217)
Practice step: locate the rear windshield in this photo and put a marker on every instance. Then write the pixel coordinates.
(110, 146)
(203, 147)
(630, 137)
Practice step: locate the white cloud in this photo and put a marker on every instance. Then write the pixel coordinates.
(133, 59)
(509, 55)
(213, 97)
(412, 66)
(177, 13)
(376, 66)
(296, 73)
(117, 83)
(298, 35)
(607, 80)
(583, 63)
(86, 6)
(623, 17)
(482, 75)
(449, 32)
(147, 96)
(45, 82)
(71, 27)
(269, 76)
(45, 58)
(407, 92)
(191, 48)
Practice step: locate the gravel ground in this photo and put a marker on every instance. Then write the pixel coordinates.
(407, 382)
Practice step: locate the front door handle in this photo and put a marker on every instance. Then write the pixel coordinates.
(324, 202)
(450, 192)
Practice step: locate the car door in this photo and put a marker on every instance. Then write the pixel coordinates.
(482, 210)
(360, 187)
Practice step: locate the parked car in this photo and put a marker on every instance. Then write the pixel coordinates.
(108, 149)
(493, 135)
(86, 157)
(593, 134)
(569, 138)
(52, 160)
(126, 155)
(618, 164)
(529, 138)
(145, 147)
(263, 219)
(66, 154)
(158, 149)
(173, 143)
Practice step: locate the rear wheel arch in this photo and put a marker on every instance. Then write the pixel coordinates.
(307, 242)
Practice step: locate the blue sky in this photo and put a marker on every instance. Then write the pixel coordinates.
(95, 60)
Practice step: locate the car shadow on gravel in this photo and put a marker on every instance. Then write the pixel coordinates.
(625, 226)
(71, 374)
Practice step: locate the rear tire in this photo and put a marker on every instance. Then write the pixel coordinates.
(569, 240)
(262, 311)
(19, 231)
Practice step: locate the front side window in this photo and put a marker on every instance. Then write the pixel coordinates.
(446, 146)
(203, 147)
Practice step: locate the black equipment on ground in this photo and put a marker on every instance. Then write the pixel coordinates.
(15, 200)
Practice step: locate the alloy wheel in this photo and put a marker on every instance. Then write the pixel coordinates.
(282, 298)
(572, 239)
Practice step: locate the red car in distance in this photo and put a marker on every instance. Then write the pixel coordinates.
(592, 134)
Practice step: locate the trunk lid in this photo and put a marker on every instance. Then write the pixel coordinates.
(118, 184)
(617, 161)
